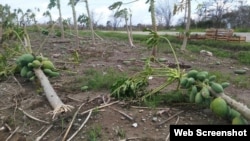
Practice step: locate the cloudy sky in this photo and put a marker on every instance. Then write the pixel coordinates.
(99, 7)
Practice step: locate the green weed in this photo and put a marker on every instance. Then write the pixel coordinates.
(98, 80)
(243, 57)
(94, 133)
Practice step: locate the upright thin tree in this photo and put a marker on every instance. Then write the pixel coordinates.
(57, 3)
(126, 15)
(90, 22)
(180, 7)
(73, 3)
(153, 20)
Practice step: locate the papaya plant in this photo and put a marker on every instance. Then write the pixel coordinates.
(57, 3)
(127, 15)
(184, 4)
(32, 67)
(202, 88)
(132, 86)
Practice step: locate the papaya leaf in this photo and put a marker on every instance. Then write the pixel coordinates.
(115, 5)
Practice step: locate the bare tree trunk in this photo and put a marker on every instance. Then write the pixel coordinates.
(131, 28)
(77, 44)
(90, 23)
(153, 19)
(186, 33)
(60, 18)
(129, 33)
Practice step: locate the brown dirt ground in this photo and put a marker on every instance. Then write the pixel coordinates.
(16, 93)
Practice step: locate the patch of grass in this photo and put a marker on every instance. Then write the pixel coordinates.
(170, 97)
(94, 133)
(174, 96)
(240, 81)
(242, 30)
(98, 80)
(243, 57)
(120, 132)
(153, 101)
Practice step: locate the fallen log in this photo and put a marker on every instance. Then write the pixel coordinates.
(51, 95)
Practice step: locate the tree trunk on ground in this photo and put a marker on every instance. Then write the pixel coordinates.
(90, 23)
(241, 108)
(186, 33)
(60, 18)
(52, 97)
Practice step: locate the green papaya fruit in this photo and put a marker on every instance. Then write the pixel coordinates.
(198, 98)
(202, 75)
(30, 74)
(183, 82)
(24, 59)
(24, 71)
(216, 87)
(225, 84)
(48, 65)
(205, 92)
(212, 78)
(192, 94)
(51, 73)
(36, 64)
(192, 73)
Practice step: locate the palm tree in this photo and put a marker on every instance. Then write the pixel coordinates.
(57, 3)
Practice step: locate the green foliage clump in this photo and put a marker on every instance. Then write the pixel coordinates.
(98, 80)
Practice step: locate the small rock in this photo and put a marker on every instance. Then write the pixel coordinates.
(56, 55)
(140, 111)
(135, 125)
(245, 68)
(2, 128)
(160, 112)
(154, 119)
(218, 63)
(206, 53)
